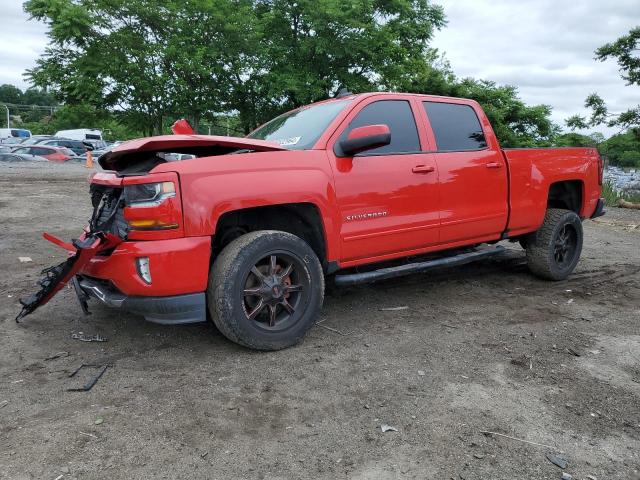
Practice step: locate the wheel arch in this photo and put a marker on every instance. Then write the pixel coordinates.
(566, 194)
(303, 219)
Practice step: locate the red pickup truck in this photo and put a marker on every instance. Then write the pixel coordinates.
(353, 189)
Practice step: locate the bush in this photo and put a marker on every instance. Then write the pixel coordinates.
(629, 159)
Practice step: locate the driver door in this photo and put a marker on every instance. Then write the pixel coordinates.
(387, 196)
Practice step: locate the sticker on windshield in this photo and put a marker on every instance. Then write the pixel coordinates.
(287, 141)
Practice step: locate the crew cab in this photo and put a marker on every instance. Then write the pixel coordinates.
(349, 190)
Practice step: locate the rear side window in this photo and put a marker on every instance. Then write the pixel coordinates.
(397, 115)
(456, 127)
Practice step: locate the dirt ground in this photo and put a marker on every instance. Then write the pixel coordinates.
(485, 347)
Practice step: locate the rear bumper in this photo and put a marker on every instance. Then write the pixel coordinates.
(169, 310)
(599, 211)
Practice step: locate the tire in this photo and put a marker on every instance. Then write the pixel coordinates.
(259, 302)
(554, 250)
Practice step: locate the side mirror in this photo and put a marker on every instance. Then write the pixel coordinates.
(365, 138)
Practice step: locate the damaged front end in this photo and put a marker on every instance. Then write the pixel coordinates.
(132, 203)
(107, 228)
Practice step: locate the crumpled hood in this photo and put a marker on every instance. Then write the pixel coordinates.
(202, 145)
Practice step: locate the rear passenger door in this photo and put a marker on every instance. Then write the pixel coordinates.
(473, 177)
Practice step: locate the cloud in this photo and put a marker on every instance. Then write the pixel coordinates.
(543, 47)
(21, 43)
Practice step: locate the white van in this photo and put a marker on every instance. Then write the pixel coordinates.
(80, 134)
(13, 135)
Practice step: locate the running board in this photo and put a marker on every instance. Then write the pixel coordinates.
(392, 272)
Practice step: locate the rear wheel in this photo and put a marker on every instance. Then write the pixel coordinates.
(265, 290)
(554, 250)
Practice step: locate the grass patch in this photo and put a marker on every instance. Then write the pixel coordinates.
(612, 196)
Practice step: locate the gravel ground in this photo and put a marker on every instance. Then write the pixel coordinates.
(485, 347)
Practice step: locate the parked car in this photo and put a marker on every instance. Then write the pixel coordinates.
(9, 135)
(33, 139)
(20, 157)
(11, 141)
(80, 134)
(78, 147)
(54, 154)
(352, 189)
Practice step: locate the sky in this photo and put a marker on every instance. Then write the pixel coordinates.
(543, 47)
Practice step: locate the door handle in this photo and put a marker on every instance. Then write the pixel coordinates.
(494, 165)
(423, 169)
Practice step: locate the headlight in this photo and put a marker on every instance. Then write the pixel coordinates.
(148, 194)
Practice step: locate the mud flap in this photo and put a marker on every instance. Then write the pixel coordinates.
(57, 276)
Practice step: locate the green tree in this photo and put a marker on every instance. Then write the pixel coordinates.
(578, 140)
(626, 52)
(153, 58)
(515, 123)
(630, 159)
(151, 61)
(617, 146)
(10, 94)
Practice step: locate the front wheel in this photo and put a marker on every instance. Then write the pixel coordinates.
(554, 250)
(265, 290)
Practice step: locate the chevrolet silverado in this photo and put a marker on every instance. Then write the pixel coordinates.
(353, 189)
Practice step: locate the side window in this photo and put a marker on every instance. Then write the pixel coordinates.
(40, 151)
(397, 115)
(456, 127)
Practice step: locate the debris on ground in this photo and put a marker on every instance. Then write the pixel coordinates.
(393, 309)
(4, 403)
(387, 428)
(333, 329)
(573, 352)
(88, 338)
(421, 373)
(479, 456)
(625, 204)
(88, 434)
(557, 460)
(65, 470)
(25, 259)
(92, 381)
(99, 421)
(57, 355)
(566, 476)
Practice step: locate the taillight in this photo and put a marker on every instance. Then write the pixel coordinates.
(153, 210)
(600, 169)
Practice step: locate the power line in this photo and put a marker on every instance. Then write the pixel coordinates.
(33, 107)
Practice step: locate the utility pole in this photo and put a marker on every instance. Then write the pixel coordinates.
(8, 125)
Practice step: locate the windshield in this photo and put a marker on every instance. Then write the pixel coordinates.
(300, 129)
